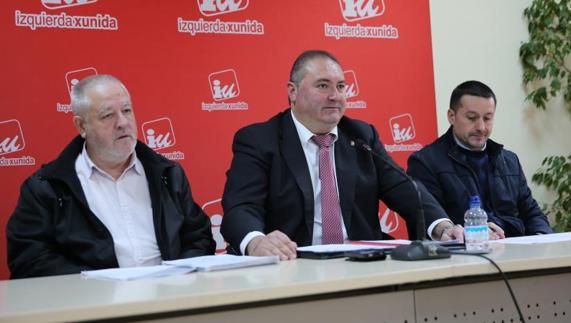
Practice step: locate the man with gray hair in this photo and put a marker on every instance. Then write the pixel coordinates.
(108, 200)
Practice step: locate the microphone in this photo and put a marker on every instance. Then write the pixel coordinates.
(420, 249)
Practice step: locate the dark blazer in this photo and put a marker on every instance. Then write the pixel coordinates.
(269, 188)
(53, 231)
(445, 172)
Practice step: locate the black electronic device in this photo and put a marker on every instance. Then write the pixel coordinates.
(420, 250)
(320, 255)
(366, 255)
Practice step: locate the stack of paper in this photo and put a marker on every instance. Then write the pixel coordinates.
(538, 238)
(222, 262)
(181, 266)
(136, 272)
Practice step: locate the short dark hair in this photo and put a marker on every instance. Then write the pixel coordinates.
(475, 88)
(297, 70)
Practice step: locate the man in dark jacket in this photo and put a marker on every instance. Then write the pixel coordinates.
(303, 177)
(464, 162)
(108, 200)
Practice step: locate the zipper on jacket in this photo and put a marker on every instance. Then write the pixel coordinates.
(475, 178)
(164, 246)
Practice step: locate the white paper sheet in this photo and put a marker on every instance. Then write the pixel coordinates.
(539, 238)
(221, 262)
(132, 273)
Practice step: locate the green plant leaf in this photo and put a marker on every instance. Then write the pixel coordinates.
(546, 76)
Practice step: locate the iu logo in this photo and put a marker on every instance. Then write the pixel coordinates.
(218, 7)
(214, 208)
(224, 85)
(351, 88)
(159, 133)
(402, 128)
(11, 137)
(58, 4)
(354, 10)
(73, 77)
(389, 220)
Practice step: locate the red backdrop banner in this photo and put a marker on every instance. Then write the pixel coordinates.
(198, 70)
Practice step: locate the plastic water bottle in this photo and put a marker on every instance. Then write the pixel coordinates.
(476, 226)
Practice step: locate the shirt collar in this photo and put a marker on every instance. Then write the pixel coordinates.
(89, 167)
(459, 143)
(305, 134)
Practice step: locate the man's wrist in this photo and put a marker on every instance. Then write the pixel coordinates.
(247, 239)
(251, 247)
(442, 228)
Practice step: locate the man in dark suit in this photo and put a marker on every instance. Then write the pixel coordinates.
(465, 162)
(300, 178)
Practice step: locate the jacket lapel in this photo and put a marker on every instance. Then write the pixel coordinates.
(346, 166)
(154, 181)
(63, 170)
(157, 179)
(294, 157)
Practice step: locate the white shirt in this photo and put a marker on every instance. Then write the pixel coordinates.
(124, 207)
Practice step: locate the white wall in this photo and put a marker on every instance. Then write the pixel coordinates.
(480, 39)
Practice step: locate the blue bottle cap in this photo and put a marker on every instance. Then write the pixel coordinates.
(474, 201)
